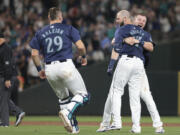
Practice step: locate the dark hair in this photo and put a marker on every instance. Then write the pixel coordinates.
(53, 13)
(142, 14)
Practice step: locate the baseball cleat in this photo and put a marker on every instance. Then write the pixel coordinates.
(63, 114)
(114, 127)
(19, 118)
(135, 132)
(102, 128)
(159, 130)
(76, 129)
(74, 123)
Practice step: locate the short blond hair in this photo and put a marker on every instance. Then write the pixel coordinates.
(124, 13)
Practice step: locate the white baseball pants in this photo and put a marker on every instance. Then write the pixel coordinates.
(128, 70)
(64, 77)
(146, 96)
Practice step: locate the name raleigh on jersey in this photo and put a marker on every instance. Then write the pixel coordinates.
(52, 31)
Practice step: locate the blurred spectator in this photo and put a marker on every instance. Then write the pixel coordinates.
(110, 31)
(23, 62)
(97, 53)
(32, 73)
(163, 7)
(106, 44)
(177, 10)
(165, 25)
(153, 22)
(123, 4)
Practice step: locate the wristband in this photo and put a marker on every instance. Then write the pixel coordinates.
(141, 43)
(112, 63)
(83, 56)
(38, 68)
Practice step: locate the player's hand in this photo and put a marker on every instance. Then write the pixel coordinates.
(42, 74)
(131, 40)
(109, 71)
(83, 61)
(8, 83)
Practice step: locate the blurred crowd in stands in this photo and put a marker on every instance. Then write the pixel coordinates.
(20, 19)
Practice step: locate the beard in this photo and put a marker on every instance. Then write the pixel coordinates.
(121, 24)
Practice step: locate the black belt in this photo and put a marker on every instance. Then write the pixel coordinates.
(130, 56)
(56, 60)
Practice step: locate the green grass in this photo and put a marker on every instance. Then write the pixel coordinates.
(170, 119)
(85, 130)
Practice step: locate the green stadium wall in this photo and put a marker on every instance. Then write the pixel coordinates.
(41, 100)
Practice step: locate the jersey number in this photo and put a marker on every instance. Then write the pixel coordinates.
(57, 41)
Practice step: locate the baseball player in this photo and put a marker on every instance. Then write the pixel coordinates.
(55, 42)
(129, 70)
(145, 93)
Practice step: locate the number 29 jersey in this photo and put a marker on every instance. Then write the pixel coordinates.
(54, 41)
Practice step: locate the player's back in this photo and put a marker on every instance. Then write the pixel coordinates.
(139, 34)
(55, 41)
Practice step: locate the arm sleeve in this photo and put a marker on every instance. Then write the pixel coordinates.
(75, 36)
(118, 40)
(7, 60)
(34, 43)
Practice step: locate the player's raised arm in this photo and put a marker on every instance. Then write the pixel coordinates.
(82, 52)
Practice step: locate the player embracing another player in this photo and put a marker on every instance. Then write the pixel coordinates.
(129, 48)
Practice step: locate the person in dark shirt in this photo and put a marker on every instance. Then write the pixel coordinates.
(55, 42)
(7, 83)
